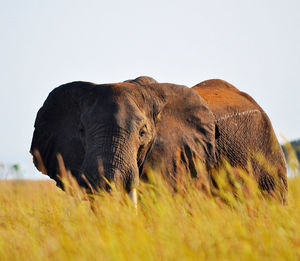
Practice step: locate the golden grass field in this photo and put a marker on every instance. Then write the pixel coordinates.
(40, 222)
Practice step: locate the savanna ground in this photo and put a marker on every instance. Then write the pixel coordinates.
(40, 222)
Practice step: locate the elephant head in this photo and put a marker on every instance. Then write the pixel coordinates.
(109, 132)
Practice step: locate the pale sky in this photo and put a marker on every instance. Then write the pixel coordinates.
(255, 45)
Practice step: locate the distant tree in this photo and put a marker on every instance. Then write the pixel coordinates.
(10, 171)
(291, 152)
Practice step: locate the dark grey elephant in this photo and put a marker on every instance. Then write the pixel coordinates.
(115, 132)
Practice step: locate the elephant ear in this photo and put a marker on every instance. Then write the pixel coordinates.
(57, 130)
(185, 134)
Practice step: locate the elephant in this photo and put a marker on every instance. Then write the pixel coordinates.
(116, 132)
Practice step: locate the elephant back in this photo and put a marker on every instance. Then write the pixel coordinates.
(244, 134)
(223, 98)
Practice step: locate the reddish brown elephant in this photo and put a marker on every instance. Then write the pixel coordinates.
(115, 132)
(244, 135)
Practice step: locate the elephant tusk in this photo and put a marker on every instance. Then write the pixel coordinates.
(133, 197)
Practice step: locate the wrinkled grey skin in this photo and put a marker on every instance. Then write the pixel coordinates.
(110, 132)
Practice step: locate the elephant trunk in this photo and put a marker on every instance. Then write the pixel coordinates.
(110, 160)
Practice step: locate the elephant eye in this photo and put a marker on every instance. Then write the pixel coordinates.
(143, 131)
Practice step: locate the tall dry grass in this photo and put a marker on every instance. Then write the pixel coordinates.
(40, 222)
